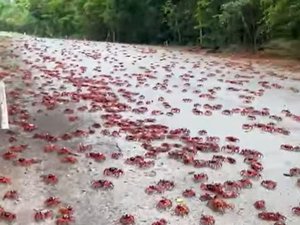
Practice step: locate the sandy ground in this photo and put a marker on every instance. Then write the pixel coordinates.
(48, 67)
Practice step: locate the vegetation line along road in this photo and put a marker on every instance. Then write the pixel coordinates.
(254, 24)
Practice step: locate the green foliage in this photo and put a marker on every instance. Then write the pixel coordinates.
(212, 23)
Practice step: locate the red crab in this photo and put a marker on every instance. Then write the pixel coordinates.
(206, 197)
(260, 205)
(43, 215)
(257, 166)
(160, 222)
(65, 151)
(5, 180)
(127, 219)
(269, 184)
(214, 164)
(67, 210)
(181, 210)
(287, 147)
(50, 148)
(200, 177)
(98, 157)
(102, 184)
(232, 139)
(12, 195)
(166, 185)
(113, 171)
(231, 149)
(250, 174)
(219, 205)
(64, 220)
(29, 127)
(245, 183)
(52, 202)
(116, 155)
(271, 216)
(153, 189)
(7, 216)
(9, 155)
(164, 204)
(84, 148)
(50, 179)
(18, 148)
(296, 210)
(295, 172)
(26, 162)
(207, 220)
(69, 159)
(189, 193)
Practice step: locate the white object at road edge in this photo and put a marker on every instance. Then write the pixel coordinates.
(3, 107)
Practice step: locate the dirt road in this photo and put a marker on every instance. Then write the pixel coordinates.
(180, 113)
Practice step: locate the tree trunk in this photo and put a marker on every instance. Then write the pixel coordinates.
(201, 34)
(114, 36)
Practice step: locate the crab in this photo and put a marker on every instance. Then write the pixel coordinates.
(50, 148)
(66, 210)
(295, 171)
(102, 184)
(69, 159)
(12, 195)
(98, 157)
(113, 171)
(64, 220)
(127, 219)
(207, 220)
(189, 193)
(214, 164)
(296, 210)
(116, 155)
(50, 179)
(181, 210)
(260, 205)
(7, 216)
(26, 162)
(52, 202)
(257, 166)
(153, 189)
(43, 215)
(250, 174)
(206, 197)
(5, 180)
(245, 183)
(164, 204)
(160, 222)
(232, 139)
(271, 216)
(9, 155)
(200, 177)
(219, 205)
(166, 185)
(84, 148)
(269, 184)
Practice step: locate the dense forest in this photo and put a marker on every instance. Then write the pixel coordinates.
(210, 23)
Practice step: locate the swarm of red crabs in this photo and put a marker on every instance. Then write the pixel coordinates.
(120, 111)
